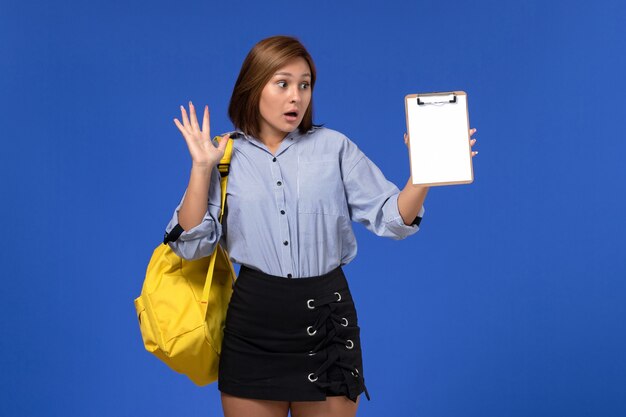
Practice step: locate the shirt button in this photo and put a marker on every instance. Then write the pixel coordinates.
(279, 183)
(285, 243)
(274, 160)
(282, 212)
(289, 275)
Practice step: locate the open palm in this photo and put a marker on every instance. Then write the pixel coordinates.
(203, 152)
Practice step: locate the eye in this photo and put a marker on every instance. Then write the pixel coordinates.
(304, 85)
(282, 84)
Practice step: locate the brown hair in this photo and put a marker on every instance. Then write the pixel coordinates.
(263, 60)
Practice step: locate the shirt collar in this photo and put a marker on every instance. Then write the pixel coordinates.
(236, 134)
(292, 135)
(290, 139)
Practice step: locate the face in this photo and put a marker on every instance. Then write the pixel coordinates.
(284, 100)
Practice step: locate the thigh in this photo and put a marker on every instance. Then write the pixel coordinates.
(332, 407)
(237, 407)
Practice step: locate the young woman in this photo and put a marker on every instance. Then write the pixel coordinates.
(291, 340)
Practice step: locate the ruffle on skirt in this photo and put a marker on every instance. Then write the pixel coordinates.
(336, 344)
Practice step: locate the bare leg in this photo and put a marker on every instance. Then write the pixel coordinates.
(244, 407)
(332, 407)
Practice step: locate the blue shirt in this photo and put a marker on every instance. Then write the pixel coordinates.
(290, 214)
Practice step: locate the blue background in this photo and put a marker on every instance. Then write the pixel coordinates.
(510, 301)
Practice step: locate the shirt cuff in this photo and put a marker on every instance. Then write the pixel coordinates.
(396, 225)
(418, 219)
(205, 228)
(199, 241)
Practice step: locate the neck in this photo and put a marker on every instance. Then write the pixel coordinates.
(272, 138)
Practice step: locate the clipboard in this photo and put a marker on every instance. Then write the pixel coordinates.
(439, 140)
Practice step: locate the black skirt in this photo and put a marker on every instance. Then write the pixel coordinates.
(291, 339)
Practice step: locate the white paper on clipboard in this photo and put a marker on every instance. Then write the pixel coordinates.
(438, 128)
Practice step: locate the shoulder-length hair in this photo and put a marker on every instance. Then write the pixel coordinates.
(263, 60)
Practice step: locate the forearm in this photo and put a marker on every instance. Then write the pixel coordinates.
(196, 199)
(410, 201)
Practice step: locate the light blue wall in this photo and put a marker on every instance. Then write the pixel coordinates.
(508, 302)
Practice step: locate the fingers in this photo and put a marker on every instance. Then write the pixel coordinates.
(407, 141)
(223, 142)
(185, 119)
(472, 142)
(206, 123)
(189, 126)
(193, 118)
(182, 128)
(190, 122)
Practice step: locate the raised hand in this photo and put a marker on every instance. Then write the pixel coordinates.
(203, 152)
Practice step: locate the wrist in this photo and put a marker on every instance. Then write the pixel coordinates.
(410, 184)
(201, 170)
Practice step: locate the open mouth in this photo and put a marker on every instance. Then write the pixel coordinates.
(291, 116)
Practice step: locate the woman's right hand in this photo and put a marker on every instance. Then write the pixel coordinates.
(203, 153)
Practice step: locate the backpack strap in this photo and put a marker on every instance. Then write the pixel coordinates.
(224, 168)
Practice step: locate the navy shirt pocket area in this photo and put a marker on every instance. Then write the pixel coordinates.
(320, 186)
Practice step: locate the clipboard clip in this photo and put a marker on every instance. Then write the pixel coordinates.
(447, 100)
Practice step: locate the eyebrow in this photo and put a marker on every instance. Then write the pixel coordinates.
(306, 74)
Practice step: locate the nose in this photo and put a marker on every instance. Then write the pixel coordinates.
(296, 95)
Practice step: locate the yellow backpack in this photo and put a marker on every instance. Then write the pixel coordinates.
(182, 306)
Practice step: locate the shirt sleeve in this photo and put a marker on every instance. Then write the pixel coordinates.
(372, 199)
(202, 239)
